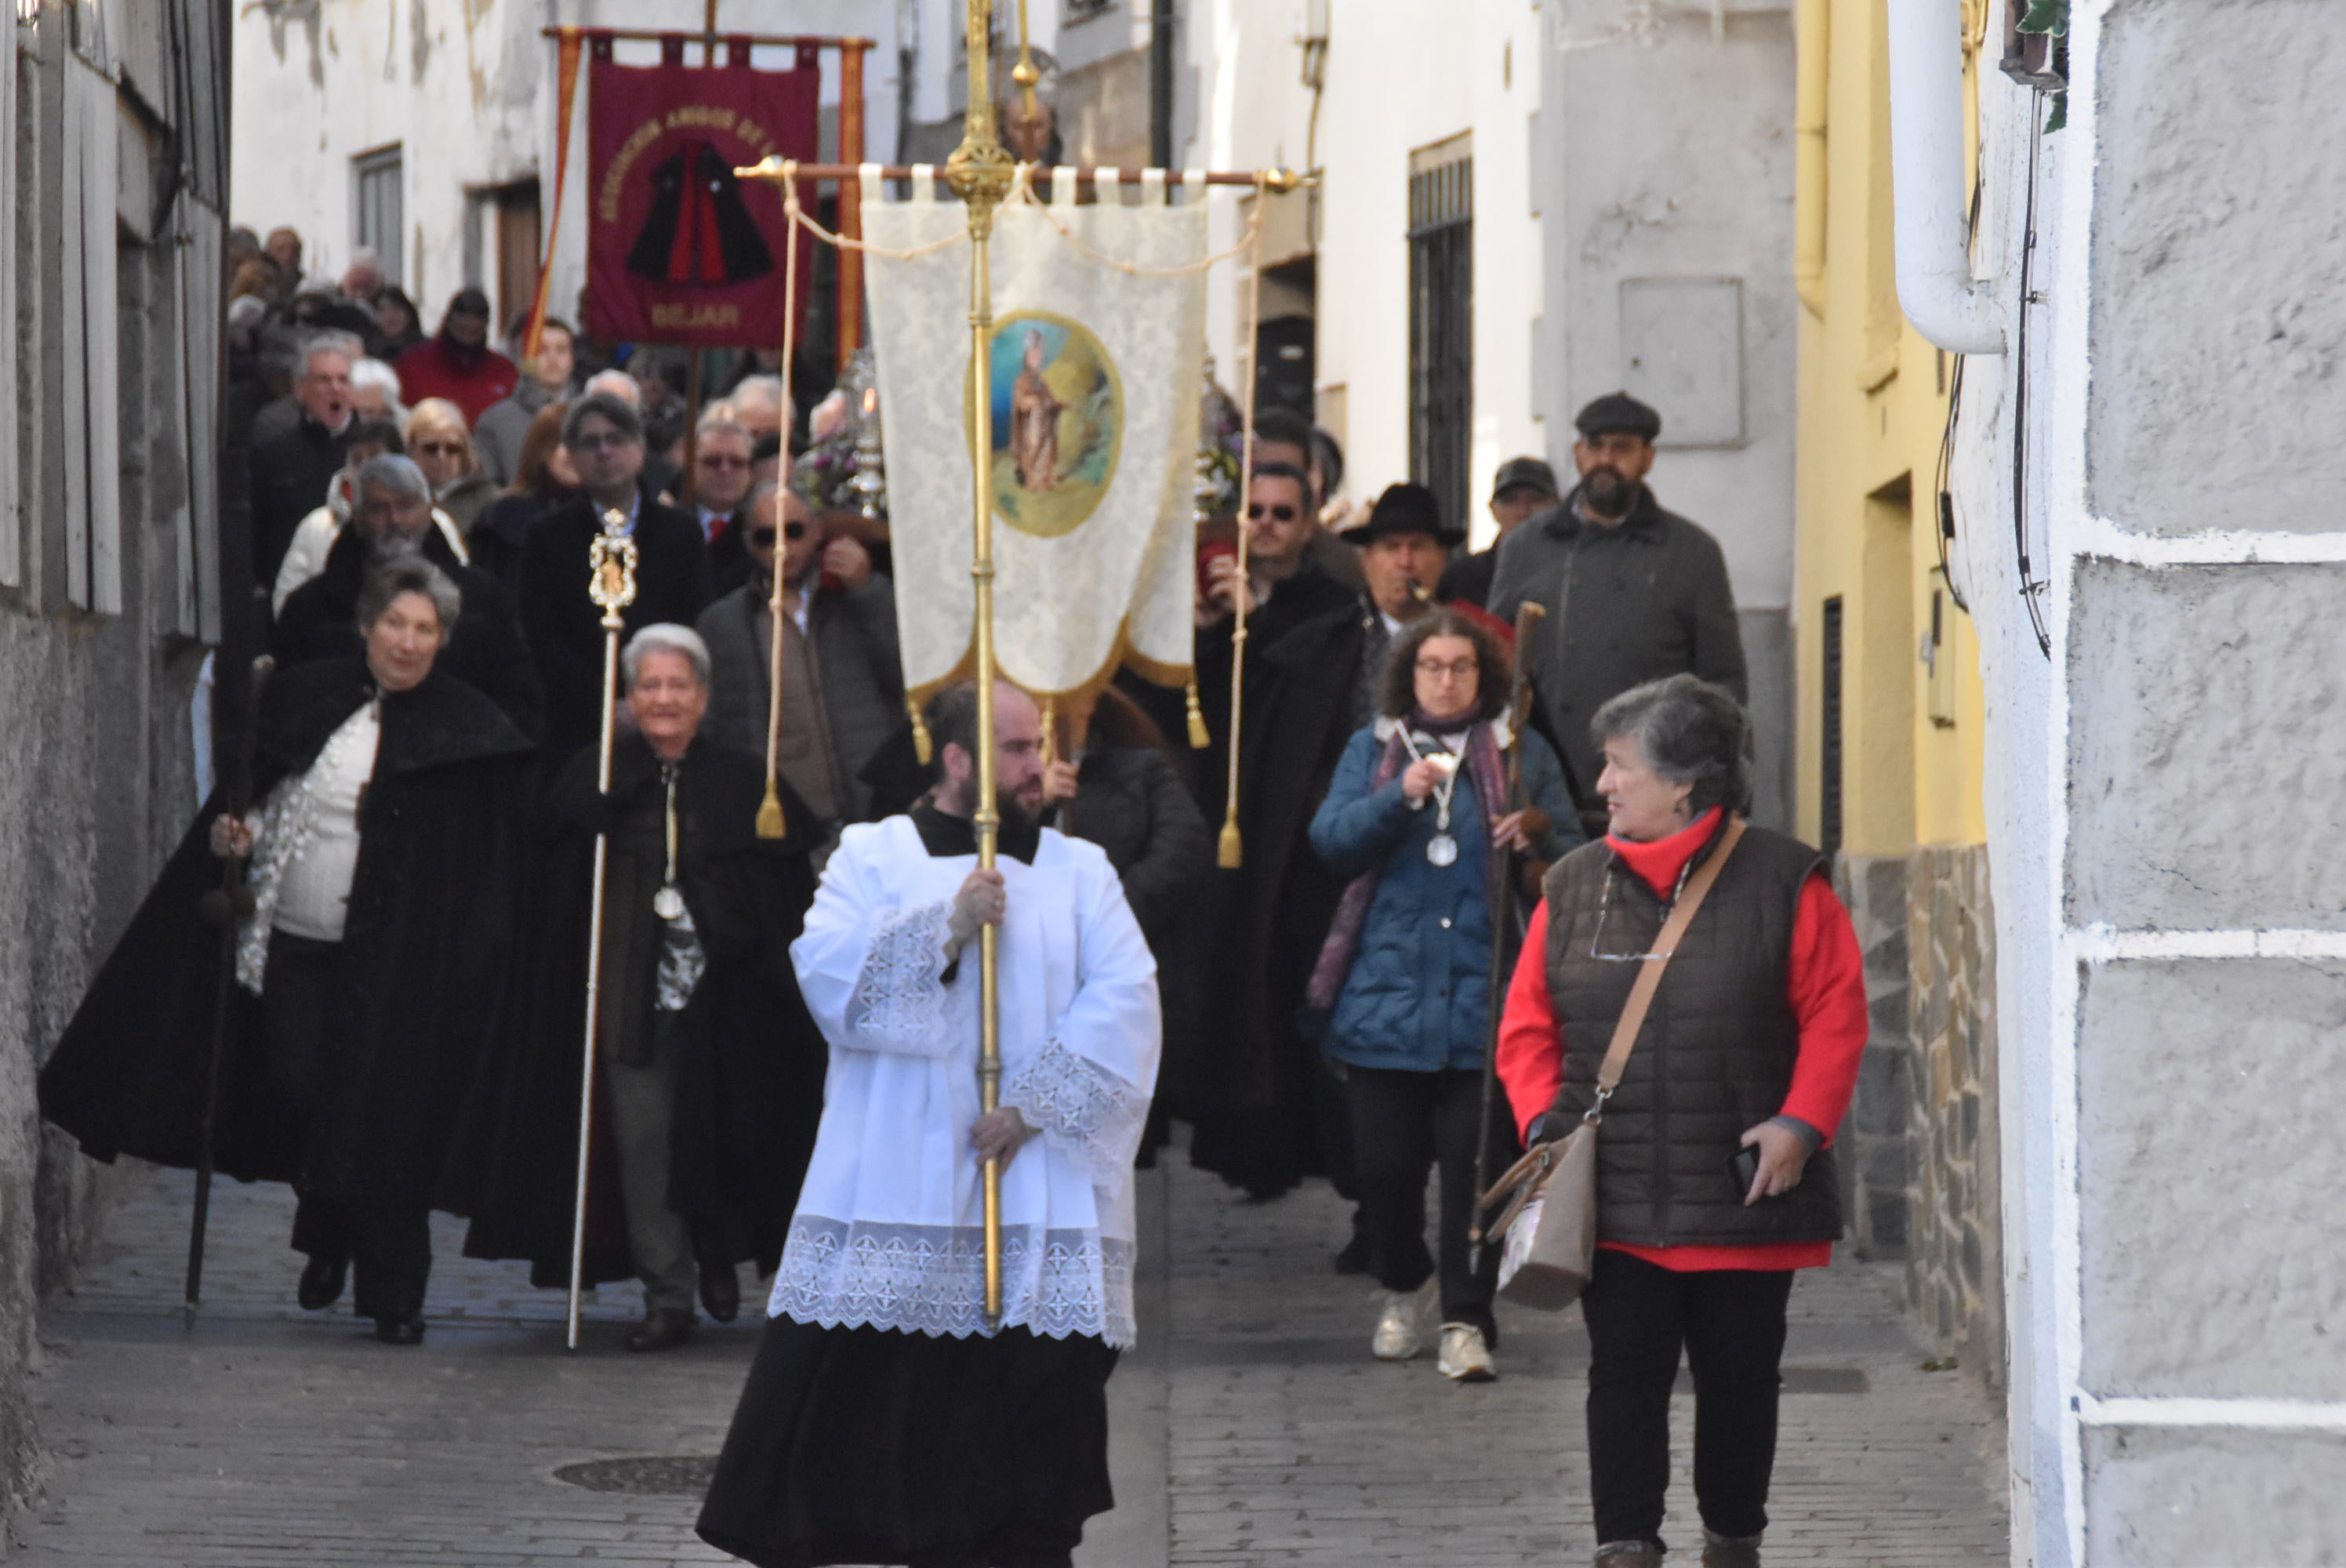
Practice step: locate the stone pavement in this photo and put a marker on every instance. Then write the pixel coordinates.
(1250, 1428)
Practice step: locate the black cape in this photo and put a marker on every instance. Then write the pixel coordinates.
(432, 914)
(749, 1061)
(1250, 1084)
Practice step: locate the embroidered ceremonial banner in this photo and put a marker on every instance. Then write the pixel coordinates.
(1094, 378)
(679, 249)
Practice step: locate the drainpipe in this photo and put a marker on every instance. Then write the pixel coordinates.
(1931, 201)
(1811, 36)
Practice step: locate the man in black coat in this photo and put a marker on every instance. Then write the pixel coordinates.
(1263, 1101)
(710, 1073)
(606, 440)
(297, 451)
(1286, 586)
(359, 1118)
(1632, 593)
(392, 517)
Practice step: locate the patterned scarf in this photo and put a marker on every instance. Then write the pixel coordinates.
(1484, 763)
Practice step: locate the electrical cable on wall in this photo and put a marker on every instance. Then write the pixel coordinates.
(2031, 585)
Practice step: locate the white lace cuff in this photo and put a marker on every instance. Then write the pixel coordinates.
(1087, 1113)
(899, 1002)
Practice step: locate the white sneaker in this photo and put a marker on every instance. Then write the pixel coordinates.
(1464, 1358)
(1400, 1323)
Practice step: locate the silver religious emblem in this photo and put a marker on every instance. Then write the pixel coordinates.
(669, 903)
(1442, 850)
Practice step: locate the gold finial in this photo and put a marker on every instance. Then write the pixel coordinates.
(611, 563)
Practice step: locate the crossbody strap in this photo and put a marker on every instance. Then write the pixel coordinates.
(1649, 973)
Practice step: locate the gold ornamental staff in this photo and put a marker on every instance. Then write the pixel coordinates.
(611, 584)
(979, 172)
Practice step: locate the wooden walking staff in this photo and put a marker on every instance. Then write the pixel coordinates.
(980, 172)
(611, 584)
(1503, 904)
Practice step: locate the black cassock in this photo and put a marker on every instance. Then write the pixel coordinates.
(749, 1061)
(433, 909)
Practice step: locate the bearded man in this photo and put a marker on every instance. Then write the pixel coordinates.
(1632, 593)
(887, 1420)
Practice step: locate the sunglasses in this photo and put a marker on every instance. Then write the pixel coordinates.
(764, 533)
(440, 448)
(610, 443)
(1281, 514)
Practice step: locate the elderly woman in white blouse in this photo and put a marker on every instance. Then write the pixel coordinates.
(384, 873)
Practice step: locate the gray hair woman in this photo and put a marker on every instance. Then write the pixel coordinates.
(384, 883)
(1713, 1181)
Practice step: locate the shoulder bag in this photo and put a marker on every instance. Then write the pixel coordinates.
(1549, 1226)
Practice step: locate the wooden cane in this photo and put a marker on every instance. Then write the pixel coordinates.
(1503, 907)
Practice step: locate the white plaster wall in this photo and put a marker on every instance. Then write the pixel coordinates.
(1395, 84)
(2159, 1416)
(1665, 150)
(468, 92)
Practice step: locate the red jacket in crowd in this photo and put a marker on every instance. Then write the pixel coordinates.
(471, 378)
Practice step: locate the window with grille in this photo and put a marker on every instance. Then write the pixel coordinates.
(375, 208)
(1442, 322)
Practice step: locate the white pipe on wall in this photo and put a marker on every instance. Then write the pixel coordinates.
(1931, 199)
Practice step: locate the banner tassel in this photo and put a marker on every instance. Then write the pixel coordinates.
(770, 814)
(1228, 855)
(921, 750)
(1198, 739)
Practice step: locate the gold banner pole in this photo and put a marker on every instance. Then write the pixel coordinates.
(611, 584)
(979, 172)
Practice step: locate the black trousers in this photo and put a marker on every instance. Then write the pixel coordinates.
(1404, 1124)
(1729, 1322)
(387, 1242)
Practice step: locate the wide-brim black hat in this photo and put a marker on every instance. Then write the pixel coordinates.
(1406, 508)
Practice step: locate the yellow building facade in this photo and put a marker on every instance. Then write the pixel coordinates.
(1890, 711)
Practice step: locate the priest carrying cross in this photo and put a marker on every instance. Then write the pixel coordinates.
(886, 1419)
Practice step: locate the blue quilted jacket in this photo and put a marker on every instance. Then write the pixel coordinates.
(1417, 996)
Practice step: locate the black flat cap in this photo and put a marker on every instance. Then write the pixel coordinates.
(1617, 414)
(1524, 473)
(1406, 508)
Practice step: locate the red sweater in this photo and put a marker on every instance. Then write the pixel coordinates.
(1825, 984)
(430, 368)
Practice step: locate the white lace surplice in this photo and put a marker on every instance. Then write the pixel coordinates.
(889, 1231)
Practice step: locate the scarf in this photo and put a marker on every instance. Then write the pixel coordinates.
(1486, 765)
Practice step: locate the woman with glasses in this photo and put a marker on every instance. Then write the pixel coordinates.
(1714, 1182)
(440, 442)
(1422, 815)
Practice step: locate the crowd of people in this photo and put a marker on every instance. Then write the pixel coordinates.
(1441, 899)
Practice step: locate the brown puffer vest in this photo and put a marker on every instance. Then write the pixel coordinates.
(1714, 1055)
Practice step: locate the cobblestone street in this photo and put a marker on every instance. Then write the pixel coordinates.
(1251, 1427)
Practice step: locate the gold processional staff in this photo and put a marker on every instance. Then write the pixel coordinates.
(611, 584)
(981, 172)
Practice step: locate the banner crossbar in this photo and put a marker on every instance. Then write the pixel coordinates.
(1278, 181)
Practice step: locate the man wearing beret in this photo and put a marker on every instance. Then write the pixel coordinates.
(1268, 1113)
(1633, 592)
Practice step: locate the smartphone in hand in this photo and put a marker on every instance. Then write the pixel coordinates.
(1743, 1168)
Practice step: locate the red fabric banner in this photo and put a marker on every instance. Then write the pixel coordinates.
(679, 249)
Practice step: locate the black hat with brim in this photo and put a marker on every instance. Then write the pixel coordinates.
(1406, 508)
(1617, 414)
